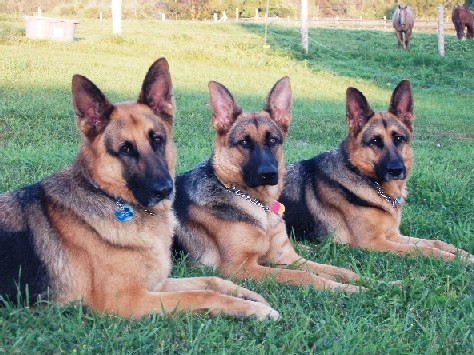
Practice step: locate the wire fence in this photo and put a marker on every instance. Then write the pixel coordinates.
(421, 24)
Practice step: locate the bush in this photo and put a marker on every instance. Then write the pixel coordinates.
(94, 12)
(67, 10)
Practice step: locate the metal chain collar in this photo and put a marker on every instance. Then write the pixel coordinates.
(247, 197)
(393, 201)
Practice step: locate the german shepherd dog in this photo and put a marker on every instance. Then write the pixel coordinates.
(357, 190)
(226, 206)
(101, 230)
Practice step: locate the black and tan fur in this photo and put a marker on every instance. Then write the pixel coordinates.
(223, 230)
(60, 236)
(334, 192)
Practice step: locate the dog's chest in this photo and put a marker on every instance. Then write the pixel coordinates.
(257, 214)
(129, 252)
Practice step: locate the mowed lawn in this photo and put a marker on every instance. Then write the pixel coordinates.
(433, 311)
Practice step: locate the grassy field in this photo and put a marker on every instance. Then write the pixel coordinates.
(434, 310)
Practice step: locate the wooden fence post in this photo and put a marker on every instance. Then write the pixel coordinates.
(304, 25)
(441, 30)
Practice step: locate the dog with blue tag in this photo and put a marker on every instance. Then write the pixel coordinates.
(100, 231)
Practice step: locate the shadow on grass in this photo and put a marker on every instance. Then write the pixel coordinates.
(38, 133)
(374, 56)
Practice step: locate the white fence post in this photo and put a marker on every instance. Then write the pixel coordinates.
(304, 25)
(116, 17)
(441, 30)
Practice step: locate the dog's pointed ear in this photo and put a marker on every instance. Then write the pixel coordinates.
(157, 90)
(223, 107)
(358, 111)
(279, 101)
(401, 104)
(91, 107)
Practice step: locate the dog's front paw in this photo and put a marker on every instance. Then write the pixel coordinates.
(263, 312)
(246, 294)
(471, 260)
(352, 288)
(330, 285)
(273, 315)
(343, 275)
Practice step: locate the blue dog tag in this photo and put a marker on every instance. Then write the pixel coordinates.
(399, 200)
(124, 213)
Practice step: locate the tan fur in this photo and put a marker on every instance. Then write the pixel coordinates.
(240, 251)
(379, 230)
(256, 246)
(121, 267)
(364, 158)
(340, 196)
(228, 163)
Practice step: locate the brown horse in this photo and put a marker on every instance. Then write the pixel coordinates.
(462, 18)
(403, 21)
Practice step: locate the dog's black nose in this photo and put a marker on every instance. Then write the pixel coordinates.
(396, 172)
(268, 175)
(162, 189)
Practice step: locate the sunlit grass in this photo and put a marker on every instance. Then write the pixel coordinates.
(432, 313)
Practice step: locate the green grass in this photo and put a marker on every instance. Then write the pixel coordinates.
(434, 310)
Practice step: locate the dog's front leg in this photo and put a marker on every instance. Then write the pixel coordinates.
(393, 244)
(281, 252)
(435, 244)
(246, 265)
(258, 272)
(329, 271)
(138, 303)
(212, 283)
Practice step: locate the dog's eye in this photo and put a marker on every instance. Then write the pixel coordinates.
(156, 139)
(398, 140)
(246, 142)
(272, 141)
(377, 141)
(126, 149)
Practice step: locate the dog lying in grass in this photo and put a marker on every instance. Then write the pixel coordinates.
(101, 230)
(357, 190)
